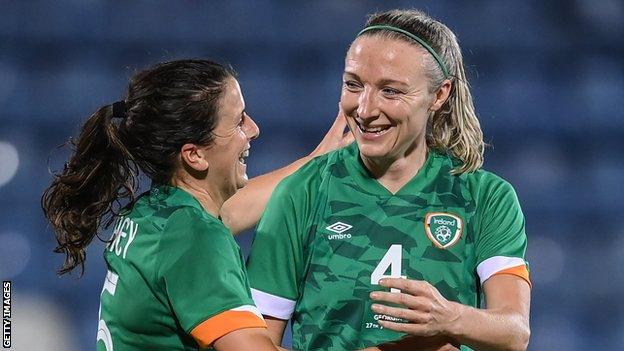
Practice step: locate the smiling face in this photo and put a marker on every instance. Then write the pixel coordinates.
(386, 97)
(234, 131)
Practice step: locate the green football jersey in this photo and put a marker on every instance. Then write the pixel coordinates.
(331, 231)
(176, 278)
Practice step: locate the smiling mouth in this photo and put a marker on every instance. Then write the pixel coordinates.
(376, 130)
(242, 157)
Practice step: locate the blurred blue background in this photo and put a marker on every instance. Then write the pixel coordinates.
(548, 82)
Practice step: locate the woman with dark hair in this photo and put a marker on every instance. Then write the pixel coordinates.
(407, 200)
(176, 279)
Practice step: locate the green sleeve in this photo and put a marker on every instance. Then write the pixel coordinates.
(202, 269)
(501, 222)
(276, 263)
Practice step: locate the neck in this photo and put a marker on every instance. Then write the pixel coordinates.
(394, 173)
(210, 199)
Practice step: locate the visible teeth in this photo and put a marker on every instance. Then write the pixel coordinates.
(372, 129)
(242, 156)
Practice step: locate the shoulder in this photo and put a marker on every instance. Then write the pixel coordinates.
(485, 184)
(477, 181)
(190, 215)
(187, 226)
(311, 175)
(192, 237)
(493, 195)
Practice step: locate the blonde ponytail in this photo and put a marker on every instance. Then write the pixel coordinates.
(455, 129)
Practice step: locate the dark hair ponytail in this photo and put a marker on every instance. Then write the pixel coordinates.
(172, 104)
(89, 188)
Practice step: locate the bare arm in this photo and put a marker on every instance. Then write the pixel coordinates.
(275, 329)
(249, 339)
(243, 210)
(503, 325)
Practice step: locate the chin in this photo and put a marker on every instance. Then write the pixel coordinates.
(372, 151)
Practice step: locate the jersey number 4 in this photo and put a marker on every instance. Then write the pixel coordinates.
(392, 259)
(104, 334)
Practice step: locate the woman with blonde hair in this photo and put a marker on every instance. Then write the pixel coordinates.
(406, 207)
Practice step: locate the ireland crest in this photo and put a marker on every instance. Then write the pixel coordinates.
(443, 229)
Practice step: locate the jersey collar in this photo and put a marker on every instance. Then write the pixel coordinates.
(173, 196)
(418, 183)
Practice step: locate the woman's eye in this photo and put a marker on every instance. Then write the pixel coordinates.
(351, 84)
(391, 91)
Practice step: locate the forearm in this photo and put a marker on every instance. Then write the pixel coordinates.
(275, 329)
(504, 325)
(490, 329)
(243, 210)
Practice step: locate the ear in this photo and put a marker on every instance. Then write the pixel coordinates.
(194, 157)
(441, 95)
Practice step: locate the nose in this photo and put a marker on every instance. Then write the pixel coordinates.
(251, 128)
(367, 104)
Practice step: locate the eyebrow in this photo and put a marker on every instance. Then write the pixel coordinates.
(384, 81)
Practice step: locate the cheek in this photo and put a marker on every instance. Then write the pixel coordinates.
(238, 143)
(416, 113)
(232, 147)
(238, 137)
(351, 123)
(240, 133)
(348, 101)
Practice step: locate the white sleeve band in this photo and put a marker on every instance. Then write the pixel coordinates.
(495, 264)
(249, 308)
(272, 305)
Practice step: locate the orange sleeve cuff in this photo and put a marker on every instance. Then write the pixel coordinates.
(223, 323)
(519, 271)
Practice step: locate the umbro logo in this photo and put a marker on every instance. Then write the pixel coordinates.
(339, 227)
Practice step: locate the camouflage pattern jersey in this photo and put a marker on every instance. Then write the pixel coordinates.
(331, 231)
